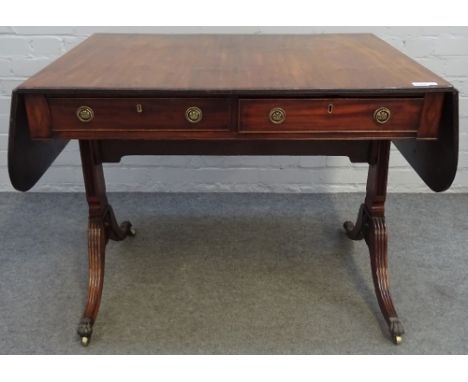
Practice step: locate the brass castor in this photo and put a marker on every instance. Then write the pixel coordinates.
(396, 330)
(85, 329)
(132, 231)
(85, 341)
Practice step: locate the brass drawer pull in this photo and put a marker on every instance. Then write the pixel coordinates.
(382, 115)
(85, 114)
(277, 115)
(193, 114)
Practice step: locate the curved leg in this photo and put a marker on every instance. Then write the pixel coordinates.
(370, 225)
(377, 242)
(118, 232)
(96, 259)
(102, 226)
(356, 231)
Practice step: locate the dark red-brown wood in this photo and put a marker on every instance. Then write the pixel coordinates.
(134, 115)
(114, 150)
(436, 161)
(340, 115)
(38, 112)
(229, 118)
(430, 116)
(233, 63)
(102, 226)
(28, 159)
(140, 86)
(233, 67)
(370, 225)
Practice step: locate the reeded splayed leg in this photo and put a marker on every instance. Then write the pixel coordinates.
(370, 225)
(102, 226)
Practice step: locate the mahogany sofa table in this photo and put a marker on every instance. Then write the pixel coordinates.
(347, 95)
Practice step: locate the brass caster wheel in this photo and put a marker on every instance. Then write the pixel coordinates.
(397, 340)
(132, 231)
(85, 341)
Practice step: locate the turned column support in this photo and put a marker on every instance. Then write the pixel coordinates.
(102, 226)
(370, 225)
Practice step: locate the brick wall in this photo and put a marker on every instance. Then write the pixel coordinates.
(25, 50)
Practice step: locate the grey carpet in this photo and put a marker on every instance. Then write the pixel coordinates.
(233, 274)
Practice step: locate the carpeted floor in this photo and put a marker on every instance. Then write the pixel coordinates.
(233, 274)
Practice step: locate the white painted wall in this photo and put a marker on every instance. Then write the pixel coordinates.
(25, 50)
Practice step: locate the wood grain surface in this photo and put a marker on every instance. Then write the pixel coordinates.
(273, 94)
(233, 63)
(155, 114)
(332, 114)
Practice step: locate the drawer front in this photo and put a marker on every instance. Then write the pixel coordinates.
(329, 115)
(139, 114)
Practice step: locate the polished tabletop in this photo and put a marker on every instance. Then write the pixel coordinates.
(335, 95)
(234, 63)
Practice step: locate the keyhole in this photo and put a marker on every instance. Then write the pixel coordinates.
(139, 108)
(330, 108)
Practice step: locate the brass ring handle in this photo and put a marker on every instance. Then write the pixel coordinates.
(85, 114)
(193, 114)
(382, 115)
(277, 115)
